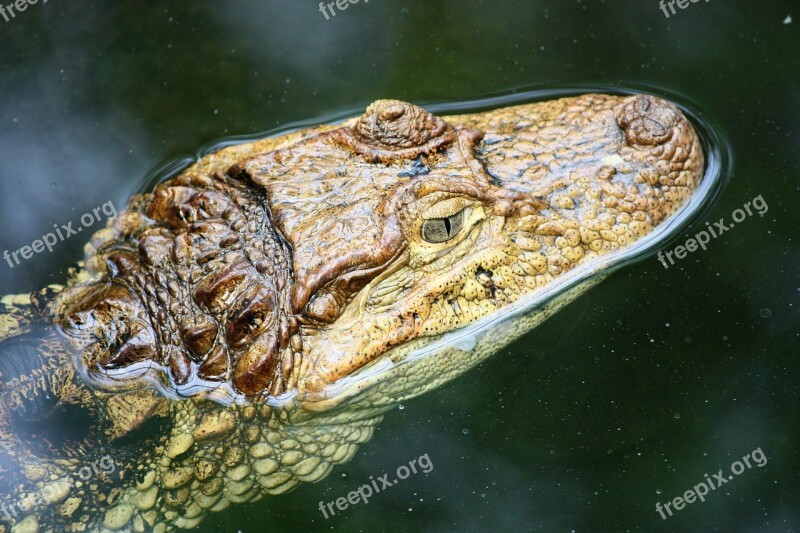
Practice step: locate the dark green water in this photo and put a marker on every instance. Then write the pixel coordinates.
(627, 397)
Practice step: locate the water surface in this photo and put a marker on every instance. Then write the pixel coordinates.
(625, 398)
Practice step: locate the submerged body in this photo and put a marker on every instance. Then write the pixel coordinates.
(287, 287)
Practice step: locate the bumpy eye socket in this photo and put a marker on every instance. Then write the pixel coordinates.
(439, 230)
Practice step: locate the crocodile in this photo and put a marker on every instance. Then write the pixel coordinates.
(243, 327)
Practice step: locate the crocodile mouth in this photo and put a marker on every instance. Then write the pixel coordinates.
(407, 371)
(548, 221)
(290, 269)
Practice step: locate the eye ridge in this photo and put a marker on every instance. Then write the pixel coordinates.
(440, 230)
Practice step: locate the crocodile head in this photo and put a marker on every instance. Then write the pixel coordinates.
(466, 216)
(294, 267)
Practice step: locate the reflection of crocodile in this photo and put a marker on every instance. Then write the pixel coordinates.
(290, 279)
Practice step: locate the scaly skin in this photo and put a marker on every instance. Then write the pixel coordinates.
(296, 288)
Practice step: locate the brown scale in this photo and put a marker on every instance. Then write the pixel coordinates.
(214, 277)
(221, 319)
(390, 132)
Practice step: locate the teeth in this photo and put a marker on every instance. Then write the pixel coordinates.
(466, 344)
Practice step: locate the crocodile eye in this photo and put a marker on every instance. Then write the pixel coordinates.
(439, 230)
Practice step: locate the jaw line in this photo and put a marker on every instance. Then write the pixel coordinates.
(351, 389)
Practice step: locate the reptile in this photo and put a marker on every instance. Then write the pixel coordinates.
(243, 327)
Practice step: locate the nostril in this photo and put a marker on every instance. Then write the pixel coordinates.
(646, 120)
(392, 113)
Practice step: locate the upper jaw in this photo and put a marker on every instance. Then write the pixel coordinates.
(626, 162)
(560, 182)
